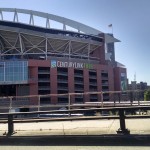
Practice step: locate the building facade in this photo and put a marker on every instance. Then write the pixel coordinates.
(39, 61)
(137, 89)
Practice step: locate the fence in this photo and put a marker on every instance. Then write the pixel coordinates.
(87, 99)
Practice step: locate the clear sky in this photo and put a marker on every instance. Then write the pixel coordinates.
(130, 20)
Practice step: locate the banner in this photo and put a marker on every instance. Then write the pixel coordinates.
(123, 82)
(77, 65)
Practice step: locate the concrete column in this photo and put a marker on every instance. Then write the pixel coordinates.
(71, 83)
(53, 81)
(34, 86)
(86, 85)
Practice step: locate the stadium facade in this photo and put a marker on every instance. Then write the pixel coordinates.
(38, 60)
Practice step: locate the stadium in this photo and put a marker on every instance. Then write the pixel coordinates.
(37, 60)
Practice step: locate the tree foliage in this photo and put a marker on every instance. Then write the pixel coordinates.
(147, 95)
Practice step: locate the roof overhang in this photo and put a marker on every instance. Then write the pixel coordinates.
(110, 39)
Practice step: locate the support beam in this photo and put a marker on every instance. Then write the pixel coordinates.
(1, 15)
(31, 22)
(69, 48)
(21, 47)
(47, 23)
(64, 26)
(122, 129)
(10, 124)
(78, 30)
(15, 16)
(46, 48)
(88, 51)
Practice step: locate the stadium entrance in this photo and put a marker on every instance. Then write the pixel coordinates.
(7, 90)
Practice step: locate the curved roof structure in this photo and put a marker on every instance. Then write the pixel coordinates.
(24, 39)
(74, 24)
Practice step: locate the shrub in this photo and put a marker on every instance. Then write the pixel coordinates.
(147, 95)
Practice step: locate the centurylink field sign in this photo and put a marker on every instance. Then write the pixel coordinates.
(56, 63)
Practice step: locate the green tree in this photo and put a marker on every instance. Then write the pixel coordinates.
(147, 95)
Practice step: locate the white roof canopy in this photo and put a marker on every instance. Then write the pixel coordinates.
(74, 24)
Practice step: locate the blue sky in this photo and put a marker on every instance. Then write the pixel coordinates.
(130, 20)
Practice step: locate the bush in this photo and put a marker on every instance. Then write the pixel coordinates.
(147, 95)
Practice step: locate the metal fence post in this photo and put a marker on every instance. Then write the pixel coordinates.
(39, 103)
(10, 105)
(69, 102)
(122, 129)
(114, 97)
(139, 101)
(119, 95)
(10, 124)
(102, 99)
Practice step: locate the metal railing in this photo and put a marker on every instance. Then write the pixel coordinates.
(116, 103)
(114, 99)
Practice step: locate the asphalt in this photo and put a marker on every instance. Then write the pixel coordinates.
(92, 140)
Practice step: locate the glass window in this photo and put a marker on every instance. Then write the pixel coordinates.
(1, 71)
(14, 71)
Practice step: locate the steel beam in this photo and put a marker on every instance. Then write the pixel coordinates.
(10, 124)
(122, 129)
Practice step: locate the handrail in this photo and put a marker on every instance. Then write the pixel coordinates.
(121, 117)
(14, 102)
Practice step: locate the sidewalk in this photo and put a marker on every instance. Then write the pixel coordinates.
(91, 127)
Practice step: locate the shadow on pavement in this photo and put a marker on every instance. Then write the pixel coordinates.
(77, 140)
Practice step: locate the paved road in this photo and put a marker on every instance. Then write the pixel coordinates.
(74, 148)
(136, 142)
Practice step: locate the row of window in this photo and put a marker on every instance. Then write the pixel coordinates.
(79, 82)
(13, 71)
(62, 77)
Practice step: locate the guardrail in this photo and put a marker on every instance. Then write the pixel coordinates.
(115, 104)
(10, 118)
(116, 98)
